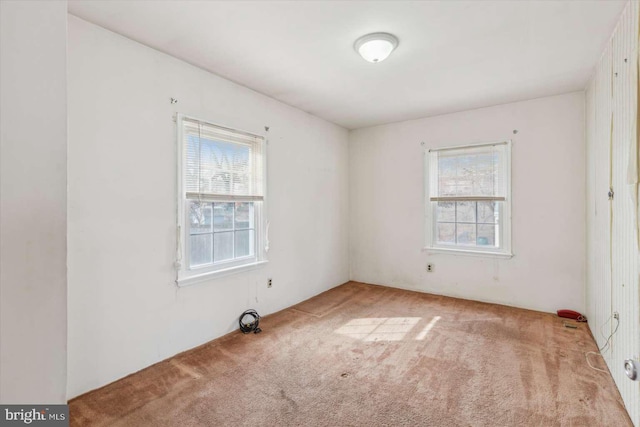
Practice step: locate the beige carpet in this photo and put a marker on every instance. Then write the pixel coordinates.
(363, 355)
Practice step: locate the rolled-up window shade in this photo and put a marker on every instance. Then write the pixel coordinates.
(468, 173)
(221, 164)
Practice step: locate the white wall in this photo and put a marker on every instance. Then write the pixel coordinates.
(33, 203)
(548, 184)
(125, 312)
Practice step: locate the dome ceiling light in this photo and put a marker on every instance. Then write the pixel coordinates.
(376, 47)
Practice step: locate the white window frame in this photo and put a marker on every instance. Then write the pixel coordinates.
(430, 214)
(187, 275)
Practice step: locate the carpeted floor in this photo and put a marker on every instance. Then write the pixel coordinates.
(364, 355)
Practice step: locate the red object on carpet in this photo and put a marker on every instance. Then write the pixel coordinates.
(570, 314)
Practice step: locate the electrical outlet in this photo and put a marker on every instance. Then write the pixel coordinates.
(269, 283)
(430, 268)
(616, 315)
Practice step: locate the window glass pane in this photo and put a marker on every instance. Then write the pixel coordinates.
(244, 215)
(201, 250)
(200, 217)
(446, 233)
(486, 235)
(487, 212)
(466, 234)
(244, 243)
(466, 211)
(222, 216)
(223, 246)
(446, 211)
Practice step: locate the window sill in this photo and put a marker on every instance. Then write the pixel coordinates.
(465, 252)
(211, 275)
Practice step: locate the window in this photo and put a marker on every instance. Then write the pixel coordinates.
(468, 205)
(220, 200)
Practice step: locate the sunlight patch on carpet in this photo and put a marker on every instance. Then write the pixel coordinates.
(427, 328)
(379, 328)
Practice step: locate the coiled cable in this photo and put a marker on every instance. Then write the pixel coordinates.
(247, 325)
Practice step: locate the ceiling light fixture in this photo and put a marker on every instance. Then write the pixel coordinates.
(376, 47)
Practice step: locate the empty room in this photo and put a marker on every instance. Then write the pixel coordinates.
(319, 213)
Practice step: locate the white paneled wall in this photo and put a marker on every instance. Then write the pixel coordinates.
(624, 248)
(612, 251)
(598, 211)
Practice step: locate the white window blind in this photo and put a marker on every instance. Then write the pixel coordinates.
(469, 173)
(222, 164)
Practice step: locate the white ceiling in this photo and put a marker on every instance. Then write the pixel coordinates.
(452, 56)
